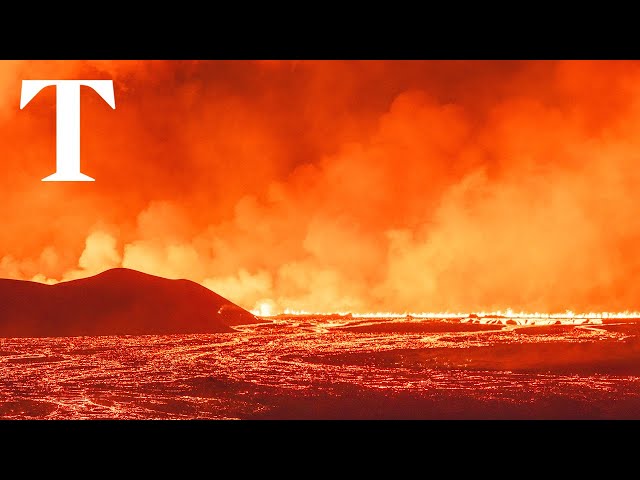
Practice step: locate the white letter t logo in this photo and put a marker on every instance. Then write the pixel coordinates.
(67, 122)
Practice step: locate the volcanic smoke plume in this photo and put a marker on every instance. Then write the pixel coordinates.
(337, 186)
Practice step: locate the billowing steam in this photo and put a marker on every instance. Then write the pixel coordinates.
(338, 186)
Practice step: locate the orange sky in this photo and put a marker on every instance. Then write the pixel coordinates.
(338, 186)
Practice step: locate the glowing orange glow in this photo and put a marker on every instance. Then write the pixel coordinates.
(348, 186)
(499, 313)
(263, 310)
(480, 317)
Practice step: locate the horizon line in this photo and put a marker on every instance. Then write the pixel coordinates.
(266, 308)
(508, 313)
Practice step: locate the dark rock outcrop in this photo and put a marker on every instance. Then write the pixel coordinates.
(116, 302)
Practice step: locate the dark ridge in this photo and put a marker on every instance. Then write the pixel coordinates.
(115, 302)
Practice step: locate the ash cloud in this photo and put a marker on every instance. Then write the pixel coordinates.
(339, 186)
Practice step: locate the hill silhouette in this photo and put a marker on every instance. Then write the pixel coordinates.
(119, 301)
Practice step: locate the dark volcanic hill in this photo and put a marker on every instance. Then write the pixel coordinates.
(116, 302)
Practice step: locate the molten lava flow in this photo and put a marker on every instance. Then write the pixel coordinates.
(508, 313)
